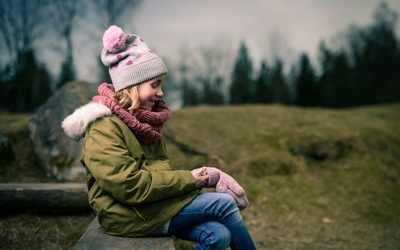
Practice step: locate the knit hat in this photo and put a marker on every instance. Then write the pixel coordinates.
(129, 60)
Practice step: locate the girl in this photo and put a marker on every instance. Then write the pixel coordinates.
(132, 188)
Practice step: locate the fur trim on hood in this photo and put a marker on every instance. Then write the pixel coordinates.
(76, 124)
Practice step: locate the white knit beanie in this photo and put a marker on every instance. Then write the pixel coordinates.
(129, 60)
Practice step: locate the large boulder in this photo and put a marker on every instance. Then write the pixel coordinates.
(57, 153)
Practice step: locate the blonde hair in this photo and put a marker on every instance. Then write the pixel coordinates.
(128, 98)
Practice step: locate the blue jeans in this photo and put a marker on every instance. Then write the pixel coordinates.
(213, 220)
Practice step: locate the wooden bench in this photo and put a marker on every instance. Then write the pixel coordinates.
(95, 238)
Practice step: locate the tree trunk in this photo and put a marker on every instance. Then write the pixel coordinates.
(44, 197)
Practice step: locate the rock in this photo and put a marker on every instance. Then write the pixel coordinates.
(56, 153)
(6, 152)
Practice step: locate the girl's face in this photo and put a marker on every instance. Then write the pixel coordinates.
(150, 92)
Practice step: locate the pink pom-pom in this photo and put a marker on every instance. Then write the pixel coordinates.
(114, 39)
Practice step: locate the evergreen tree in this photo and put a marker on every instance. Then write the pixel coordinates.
(208, 67)
(241, 90)
(263, 89)
(189, 93)
(279, 88)
(337, 88)
(30, 86)
(42, 86)
(5, 85)
(376, 58)
(307, 88)
(212, 93)
(22, 86)
(190, 96)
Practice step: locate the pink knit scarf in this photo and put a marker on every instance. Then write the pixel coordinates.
(146, 125)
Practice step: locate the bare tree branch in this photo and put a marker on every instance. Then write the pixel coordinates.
(212, 68)
(20, 26)
(63, 14)
(109, 12)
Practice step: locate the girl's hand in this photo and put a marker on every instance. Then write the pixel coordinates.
(225, 183)
(200, 176)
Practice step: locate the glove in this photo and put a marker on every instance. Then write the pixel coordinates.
(226, 184)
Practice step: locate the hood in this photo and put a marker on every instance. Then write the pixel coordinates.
(76, 124)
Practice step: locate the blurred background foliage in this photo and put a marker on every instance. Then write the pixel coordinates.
(361, 69)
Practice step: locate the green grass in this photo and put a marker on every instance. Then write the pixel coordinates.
(33, 231)
(24, 168)
(315, 178)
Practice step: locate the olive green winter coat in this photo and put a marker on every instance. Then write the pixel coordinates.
(132, 188)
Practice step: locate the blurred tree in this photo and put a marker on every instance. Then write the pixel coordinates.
(307, 87)
(19, 28)
(22, 23)
(31, 86)
(263, 85)
(336, 85)
(190, 95)
(113, 12)
(63, 14)
(279, 48)
(280, 51)
(203, 74)
(212, 92)
(241, 89)
(42, 86)
(279, 88)
(5, 85)
(210, 69)
(375, 55)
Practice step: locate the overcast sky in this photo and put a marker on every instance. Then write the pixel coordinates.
(166, 25)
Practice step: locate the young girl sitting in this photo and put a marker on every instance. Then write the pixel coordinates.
(131, 187)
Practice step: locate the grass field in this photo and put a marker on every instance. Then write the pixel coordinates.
(315, 178)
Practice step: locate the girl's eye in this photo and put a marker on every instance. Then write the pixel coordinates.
(156, 84)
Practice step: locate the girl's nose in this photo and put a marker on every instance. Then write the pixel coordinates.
(160, 93)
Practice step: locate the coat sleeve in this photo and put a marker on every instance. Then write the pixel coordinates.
(120, 173)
